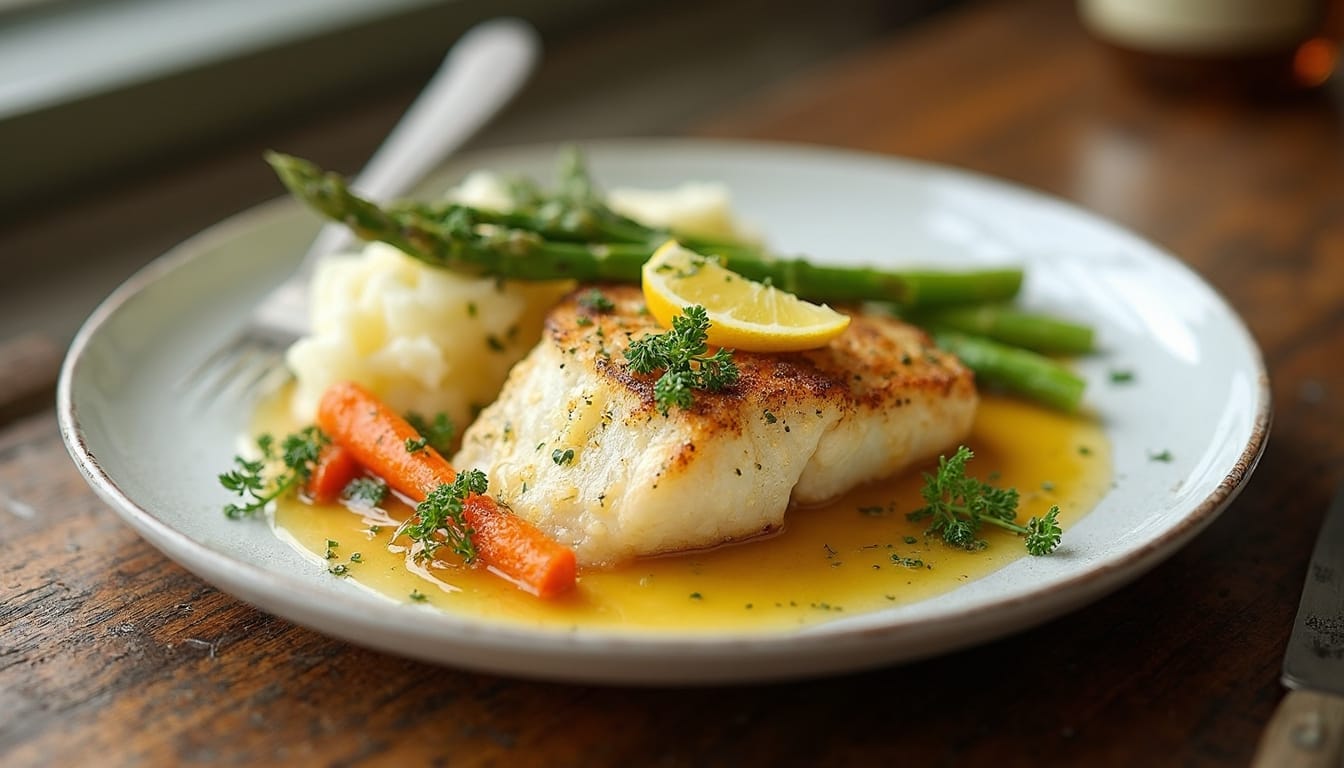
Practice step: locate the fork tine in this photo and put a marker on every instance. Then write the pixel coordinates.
(252, 368)
(266, 366)
(210, 368)
(235, 374)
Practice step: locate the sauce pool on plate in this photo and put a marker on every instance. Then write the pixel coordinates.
(854, 555)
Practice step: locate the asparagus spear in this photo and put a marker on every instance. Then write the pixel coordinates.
(1016, 370)
(559, 221)
(1037, 332)
(473, 242)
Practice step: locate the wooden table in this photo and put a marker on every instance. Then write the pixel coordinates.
(111, 654)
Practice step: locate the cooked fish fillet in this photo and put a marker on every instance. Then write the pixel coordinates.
(576, 444)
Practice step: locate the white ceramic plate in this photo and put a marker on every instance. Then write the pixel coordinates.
(1201, 393)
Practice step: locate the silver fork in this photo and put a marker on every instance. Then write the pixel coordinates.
(481, 72)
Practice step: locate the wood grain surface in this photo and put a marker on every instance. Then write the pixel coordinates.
(111, 654)
(29, 365)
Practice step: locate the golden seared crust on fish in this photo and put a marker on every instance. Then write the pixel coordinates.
(576, 444)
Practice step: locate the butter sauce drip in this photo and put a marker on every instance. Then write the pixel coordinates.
(854, 555)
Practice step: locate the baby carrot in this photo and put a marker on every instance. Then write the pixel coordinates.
(518, 550)
(334, 470)
(387, 445)
(381, 440)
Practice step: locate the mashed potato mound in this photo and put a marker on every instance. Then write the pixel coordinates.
(423, 339)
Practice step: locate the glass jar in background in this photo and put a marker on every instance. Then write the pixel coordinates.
(1249, 46)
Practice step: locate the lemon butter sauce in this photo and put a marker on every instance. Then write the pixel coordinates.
(856, 554)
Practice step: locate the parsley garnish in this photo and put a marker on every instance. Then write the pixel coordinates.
(562, 458)
(1043, 534)
(298, 455)
(414, 444)
(597, 301)
(680, 354)
(957, 505)
(441, 513)
(366, 491)
(438, 434)
(1163, 455)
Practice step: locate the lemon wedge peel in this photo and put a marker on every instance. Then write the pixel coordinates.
(743, 314)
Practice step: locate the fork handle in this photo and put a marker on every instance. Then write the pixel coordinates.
(1307, 731)
(481, 72)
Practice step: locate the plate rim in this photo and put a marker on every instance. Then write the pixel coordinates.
(252, 583)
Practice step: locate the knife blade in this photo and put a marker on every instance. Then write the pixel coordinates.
(1308, 727)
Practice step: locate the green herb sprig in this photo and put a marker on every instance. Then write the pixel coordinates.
(296, 454)
(441, 512)
(437, 433)
(957, 506)
(680, 354)
(596, 301)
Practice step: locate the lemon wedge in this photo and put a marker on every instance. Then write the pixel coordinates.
(743, 314)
